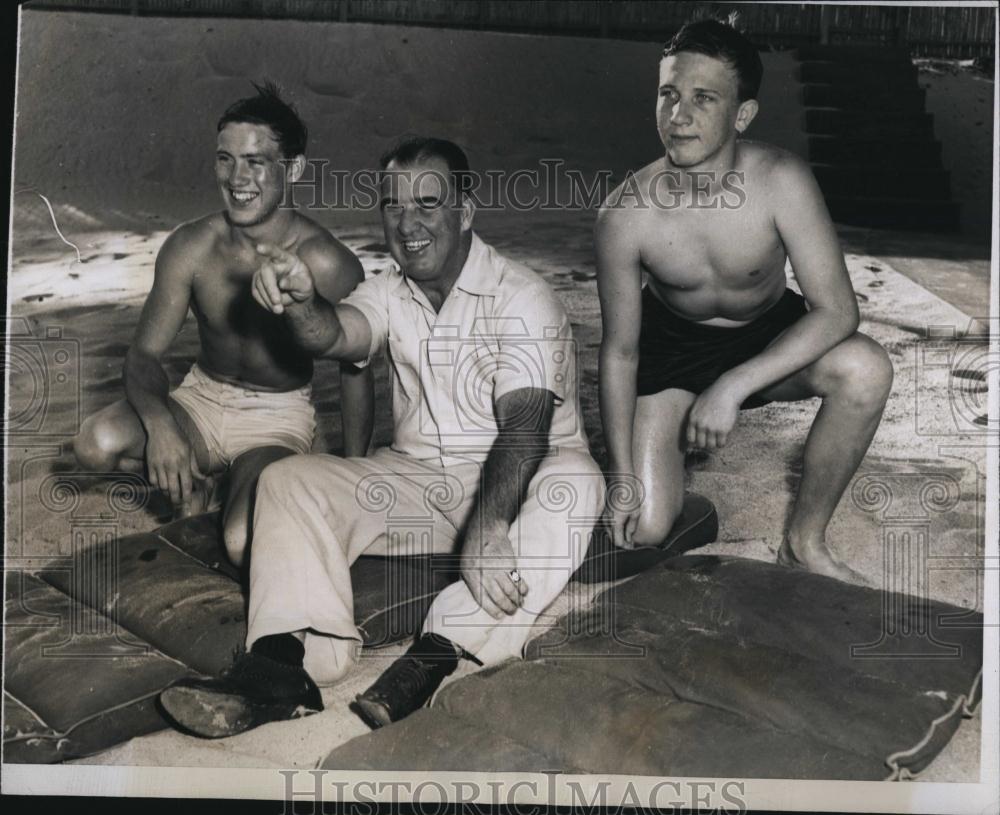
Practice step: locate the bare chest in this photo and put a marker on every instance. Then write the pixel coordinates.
(723, 249)
(223, 300)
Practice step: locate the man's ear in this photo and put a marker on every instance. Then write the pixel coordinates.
(746, 114)
(468, 212)
(294, 168)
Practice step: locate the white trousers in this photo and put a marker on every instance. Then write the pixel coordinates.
(316, 514)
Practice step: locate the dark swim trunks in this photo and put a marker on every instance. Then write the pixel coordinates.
(677, 353)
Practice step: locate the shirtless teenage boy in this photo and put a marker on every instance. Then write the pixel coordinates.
(246, 401)
(710, 226)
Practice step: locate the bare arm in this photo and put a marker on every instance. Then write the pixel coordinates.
(285, 284)
(168, 452)
(336, 272)
(803, 223)
(524, 418)
(619, 281)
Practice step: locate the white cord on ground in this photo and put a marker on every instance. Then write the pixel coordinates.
(52, 215)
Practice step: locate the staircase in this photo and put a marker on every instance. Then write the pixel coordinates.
(871, 145)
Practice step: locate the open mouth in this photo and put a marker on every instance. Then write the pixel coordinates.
(413, 247)
(243, 198)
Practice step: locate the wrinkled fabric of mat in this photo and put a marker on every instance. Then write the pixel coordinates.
(92, 640)
(124, 618)
(709, 666)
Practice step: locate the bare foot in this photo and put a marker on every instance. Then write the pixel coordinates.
(819, 559)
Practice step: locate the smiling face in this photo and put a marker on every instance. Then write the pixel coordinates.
(250, 172)
(424, 228)
(698, 112)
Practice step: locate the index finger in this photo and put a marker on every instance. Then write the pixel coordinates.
(173, 480)
(269, 250)
(185, 478)
(275, 253)
(268, 281)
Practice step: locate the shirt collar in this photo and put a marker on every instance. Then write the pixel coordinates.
(479, 274)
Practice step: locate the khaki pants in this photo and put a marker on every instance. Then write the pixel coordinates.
(316, 514)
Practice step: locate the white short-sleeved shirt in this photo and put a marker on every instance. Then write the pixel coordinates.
(501, 328)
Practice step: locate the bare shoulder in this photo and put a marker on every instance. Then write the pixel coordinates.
(774, 167)
(627, 205)
(187, 248)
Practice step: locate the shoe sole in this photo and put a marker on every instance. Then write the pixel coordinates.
(373, 714)
(215, 715)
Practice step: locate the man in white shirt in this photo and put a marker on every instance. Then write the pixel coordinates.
(489, 459)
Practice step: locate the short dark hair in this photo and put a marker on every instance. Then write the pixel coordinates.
(715, 38)
(420, 148)
(268, 108)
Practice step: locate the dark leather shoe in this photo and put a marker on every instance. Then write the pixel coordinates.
(256, 690)
(408, 683)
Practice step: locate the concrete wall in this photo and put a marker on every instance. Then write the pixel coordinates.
(118, 113)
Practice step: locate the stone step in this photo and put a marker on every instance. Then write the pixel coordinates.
(865, 124)
(852, 53)
(875, 182)
(908, 100)
(895, 213)
(920, 154)
(861, 74)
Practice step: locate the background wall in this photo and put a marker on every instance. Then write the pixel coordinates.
(941, 31)
(116, 114)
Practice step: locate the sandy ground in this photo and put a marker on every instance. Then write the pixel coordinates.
(94, 305)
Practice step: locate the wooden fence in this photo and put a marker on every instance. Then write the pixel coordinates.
(943, 31)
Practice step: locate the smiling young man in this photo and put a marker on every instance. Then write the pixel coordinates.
(488, 460)
(246, 400)
(698, 322)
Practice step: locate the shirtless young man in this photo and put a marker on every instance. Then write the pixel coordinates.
(715, 328)
(246, 401)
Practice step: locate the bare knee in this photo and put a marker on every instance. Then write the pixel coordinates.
(858, 372)
(234, 535)
(97, 446)
(657, 519)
